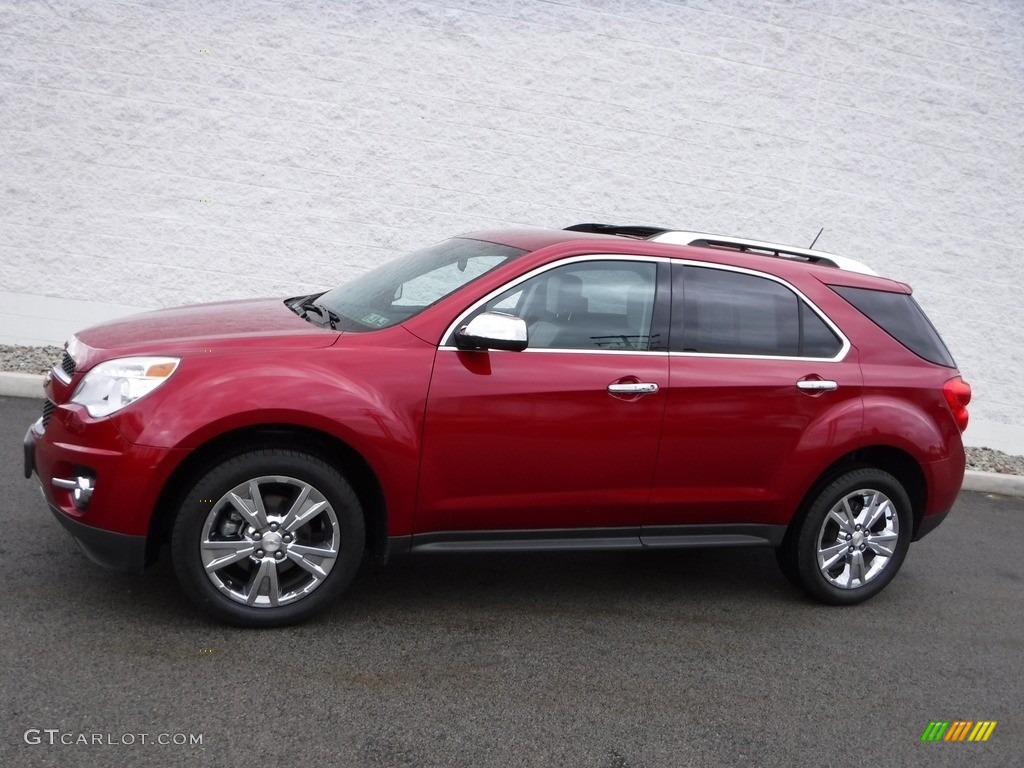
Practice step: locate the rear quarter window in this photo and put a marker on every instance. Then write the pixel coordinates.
(900, 316)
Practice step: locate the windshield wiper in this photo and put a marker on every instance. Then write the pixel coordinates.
(305, 305)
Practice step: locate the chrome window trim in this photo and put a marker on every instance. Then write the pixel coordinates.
(449, 348)
(789, 358)
(844, 349)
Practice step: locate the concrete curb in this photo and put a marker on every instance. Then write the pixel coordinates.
(993, 482)
(31, 385)
(21, 385)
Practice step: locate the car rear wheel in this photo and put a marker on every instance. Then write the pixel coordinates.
(852, 539)
(268, 538)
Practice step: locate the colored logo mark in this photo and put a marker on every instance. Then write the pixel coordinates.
(958, 730)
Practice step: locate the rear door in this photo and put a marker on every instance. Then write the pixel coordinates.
(564, 434)
(761, 386)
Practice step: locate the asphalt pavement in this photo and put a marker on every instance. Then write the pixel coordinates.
(610, 660)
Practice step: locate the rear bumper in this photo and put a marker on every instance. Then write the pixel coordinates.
(928, 524)
(943, 480)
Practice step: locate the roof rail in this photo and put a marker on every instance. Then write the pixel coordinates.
(702, 239)
(638, 232)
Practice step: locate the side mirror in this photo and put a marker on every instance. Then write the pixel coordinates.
(493, 330)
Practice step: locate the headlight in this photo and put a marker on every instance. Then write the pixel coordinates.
(112, 385)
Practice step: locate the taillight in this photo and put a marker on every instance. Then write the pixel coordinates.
(958, 395)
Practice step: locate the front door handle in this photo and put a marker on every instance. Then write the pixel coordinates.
(816, 385)
(633, 388)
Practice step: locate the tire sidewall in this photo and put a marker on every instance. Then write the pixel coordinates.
(187, 531)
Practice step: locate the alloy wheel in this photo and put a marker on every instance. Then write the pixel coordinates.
(269, 541)
(858, 538)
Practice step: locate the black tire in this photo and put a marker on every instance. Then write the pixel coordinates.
(860, 567)
(278, 572)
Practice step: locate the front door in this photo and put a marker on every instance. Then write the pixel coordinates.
(561, 435)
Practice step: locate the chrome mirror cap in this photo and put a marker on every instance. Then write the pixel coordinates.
(493, 330)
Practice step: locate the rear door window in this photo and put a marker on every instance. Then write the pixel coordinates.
(717, 311)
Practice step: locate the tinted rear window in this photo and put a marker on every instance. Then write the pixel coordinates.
(899, 315)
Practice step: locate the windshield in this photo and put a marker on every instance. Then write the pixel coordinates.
(394, 292)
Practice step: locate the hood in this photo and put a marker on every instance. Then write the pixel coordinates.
(251, 324)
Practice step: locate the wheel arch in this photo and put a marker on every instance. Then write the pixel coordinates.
(331, 449)
(895, 461)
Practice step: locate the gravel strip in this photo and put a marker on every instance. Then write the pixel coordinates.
(28, 359)
(39, 360)
(991, 460)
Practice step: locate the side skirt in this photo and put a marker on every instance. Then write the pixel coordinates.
(554, 540)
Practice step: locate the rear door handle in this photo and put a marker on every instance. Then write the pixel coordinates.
(633, 388)
(816, 385)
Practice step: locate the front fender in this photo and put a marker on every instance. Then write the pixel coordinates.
(373, 401)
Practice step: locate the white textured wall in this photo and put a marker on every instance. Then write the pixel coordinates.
(329, 136)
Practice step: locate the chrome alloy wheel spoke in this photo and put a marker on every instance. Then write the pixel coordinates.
(874, 510)
(296, 508)
(266, 574)
(856, 571)
(844, 517)
(235, 551)
(883, 543)
(829, 556)
(293, 523)
(301, 555)
(252, 512)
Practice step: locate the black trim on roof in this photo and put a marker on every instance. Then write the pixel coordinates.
(622, 230)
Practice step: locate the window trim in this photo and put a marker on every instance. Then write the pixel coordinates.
(845, 344)
(460, 319)
(838, 358)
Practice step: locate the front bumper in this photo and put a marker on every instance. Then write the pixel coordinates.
(29, 447)
(117, 551)
(112, 527)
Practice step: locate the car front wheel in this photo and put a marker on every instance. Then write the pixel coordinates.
(852, 539)
(268, 538)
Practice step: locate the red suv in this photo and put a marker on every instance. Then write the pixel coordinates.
(597, 387)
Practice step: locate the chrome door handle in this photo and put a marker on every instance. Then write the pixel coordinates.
(816, 385)
(638, 388)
